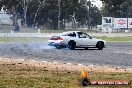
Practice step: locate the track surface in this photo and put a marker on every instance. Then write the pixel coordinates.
(116, 53)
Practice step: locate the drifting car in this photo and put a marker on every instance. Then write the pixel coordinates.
(76, 39)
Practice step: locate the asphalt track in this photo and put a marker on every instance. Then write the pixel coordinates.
(115, 53)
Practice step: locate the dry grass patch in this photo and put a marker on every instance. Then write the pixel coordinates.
(14, 76)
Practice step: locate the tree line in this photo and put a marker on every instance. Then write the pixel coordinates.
(50, 13)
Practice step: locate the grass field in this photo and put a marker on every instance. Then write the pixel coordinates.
(117, 39)
(12, 76)
(113, 39)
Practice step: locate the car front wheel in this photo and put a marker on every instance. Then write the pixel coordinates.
(100, 45)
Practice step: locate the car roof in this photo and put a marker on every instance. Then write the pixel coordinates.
(63, 33)
(70, 32)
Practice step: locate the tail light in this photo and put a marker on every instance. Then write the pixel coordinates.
(56, 38)
(59, 38)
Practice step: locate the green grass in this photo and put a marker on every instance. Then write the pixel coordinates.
(113, 39)
(23, 39)
(12, 76)
(117, 39)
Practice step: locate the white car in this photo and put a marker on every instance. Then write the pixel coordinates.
(76, 39)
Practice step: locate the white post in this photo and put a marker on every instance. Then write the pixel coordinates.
(38, 31)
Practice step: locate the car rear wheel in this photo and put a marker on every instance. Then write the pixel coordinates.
(100, 45)
(71, 45)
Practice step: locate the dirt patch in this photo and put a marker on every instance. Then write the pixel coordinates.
(58, 66)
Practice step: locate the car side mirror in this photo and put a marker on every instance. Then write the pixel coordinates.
(90, 38)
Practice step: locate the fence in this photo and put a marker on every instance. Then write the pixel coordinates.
(26, 34)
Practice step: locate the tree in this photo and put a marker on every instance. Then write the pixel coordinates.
(117, 8)
(11, 6)
(96, 17)
(24, 6)
(45, 12)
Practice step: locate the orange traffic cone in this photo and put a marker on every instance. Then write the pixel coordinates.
(84, 78)
(84, 74)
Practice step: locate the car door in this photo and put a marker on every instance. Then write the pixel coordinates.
(86, 40)
(69, 36)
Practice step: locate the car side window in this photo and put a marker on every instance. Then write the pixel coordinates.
(72, 34)
(82, 35)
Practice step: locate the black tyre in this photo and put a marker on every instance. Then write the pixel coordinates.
(71, 45)
(100, 45)
(84, 82)
(86, 48)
